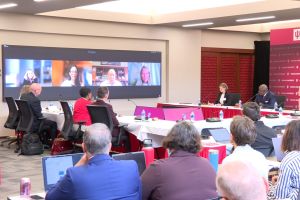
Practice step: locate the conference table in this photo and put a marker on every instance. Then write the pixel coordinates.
(210, 111)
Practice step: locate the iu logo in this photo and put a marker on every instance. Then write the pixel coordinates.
(296, 35)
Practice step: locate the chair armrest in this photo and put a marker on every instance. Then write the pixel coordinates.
(41, 118)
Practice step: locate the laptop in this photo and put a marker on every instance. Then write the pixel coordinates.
(220, 135)
(138, 157)
(277, 148)
(55, 167)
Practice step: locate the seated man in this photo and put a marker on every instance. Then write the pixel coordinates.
(97, 175)
(80, 112)
(240, 181)
(263, 142)
(35, 104)
(103, 94)
(265, 98)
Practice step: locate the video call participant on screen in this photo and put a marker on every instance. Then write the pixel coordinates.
(30, 78)
(103, 94)
(145, 77)
(263, 141)
(223, 98)
(265, 98)
(80, 112)
(183, 175)
(73, 79)
(35, 104)
(97, 175)
(111, 79)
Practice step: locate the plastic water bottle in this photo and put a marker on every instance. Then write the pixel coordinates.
(183, 117)
(143, 115)
(71, 107)
(213, 157)
(275, 106)
(240, 103)
(221, 115)
(149, 115)
(280, 111)
(192, 116)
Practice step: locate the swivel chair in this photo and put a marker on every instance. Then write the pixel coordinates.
(11, 121)
(280, 100)
(100, 114)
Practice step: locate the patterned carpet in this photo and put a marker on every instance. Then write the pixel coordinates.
(14, 167)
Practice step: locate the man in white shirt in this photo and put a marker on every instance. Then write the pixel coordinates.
(243, 134)
(111, 79)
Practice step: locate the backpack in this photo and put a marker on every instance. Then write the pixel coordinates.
(31, 144)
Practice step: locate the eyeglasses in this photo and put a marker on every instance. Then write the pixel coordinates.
(220, 198)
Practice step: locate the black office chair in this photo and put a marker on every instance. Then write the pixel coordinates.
(234, 99)
(100, 114)
(25, 125)
(11, 121)
(280, 100)
(72, 139)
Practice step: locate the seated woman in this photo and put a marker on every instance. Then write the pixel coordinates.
(80, 112)
(223, 98)
(73, 78)
(243, 134)
(184, 175)
(288, 186)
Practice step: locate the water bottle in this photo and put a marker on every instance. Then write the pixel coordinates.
(149, 115)
(143, 115)
(71, 107)
(275, 106)
(183, 117)
(221, 115)
(149, 151)
(192, 116)
(280, 111)
(240, 103)
(213, 157)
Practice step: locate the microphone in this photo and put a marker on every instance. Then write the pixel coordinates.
(61, 97)
(250, 99)
(130, 100)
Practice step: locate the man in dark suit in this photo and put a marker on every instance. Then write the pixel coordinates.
(263, 142)
(103, 94)
(35, 104)
(98, 176)
(265, 98)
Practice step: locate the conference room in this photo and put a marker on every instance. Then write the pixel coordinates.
(168, 59)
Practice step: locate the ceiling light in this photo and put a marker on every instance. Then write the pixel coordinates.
(198, 24)
(254, 19)
(8, 5)
(39, 0)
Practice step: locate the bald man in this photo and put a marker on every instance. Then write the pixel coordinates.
(111, 79)
(264, 97)
(240, 181)
(49, 126)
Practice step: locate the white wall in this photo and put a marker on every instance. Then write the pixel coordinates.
(180, 50)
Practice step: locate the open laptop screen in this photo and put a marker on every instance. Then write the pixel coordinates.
(138, 157)
(55, 167)
(220, 135)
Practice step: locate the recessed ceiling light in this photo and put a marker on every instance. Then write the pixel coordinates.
(254, 19)
(198, 24)
(8, 5)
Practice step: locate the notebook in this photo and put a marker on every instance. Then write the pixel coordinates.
(277, 148)
(138, 157)
(55, 167)
(220, 135)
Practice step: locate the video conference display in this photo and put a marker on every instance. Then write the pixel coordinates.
(62, 71)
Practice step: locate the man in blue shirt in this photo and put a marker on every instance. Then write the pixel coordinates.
(265, 98)
(98, 176)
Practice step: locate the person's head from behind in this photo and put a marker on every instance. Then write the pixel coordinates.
(36, 89)
(25, 90)
(145, 74)
(251, 110)
(242, 131)
(103, 93)
(85, 92)
(96, 139)
(237, 180)
(223, 87)
(29, 75)
(183, 136)
(111, 76)
(262, 89)
(291, 137)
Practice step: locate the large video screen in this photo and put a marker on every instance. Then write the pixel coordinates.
(62, 71)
